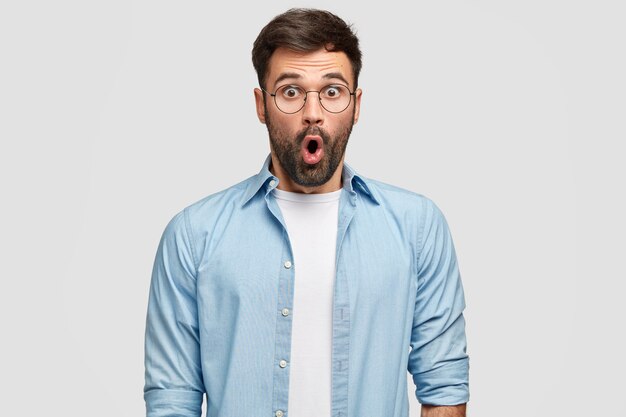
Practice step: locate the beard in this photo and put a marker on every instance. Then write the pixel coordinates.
(287, 150)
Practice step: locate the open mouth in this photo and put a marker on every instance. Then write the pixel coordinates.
(312, 149)
(312, 146)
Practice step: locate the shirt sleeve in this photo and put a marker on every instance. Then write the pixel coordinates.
(173, 374)
(438, 361)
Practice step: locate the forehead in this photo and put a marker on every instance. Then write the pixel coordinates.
(310, 66)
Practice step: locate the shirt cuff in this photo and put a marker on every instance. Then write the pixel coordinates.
(169, 403)
(446, 385)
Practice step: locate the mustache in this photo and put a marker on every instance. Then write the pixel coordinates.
(314, 131)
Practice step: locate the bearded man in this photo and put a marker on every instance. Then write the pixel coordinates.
(306, 290)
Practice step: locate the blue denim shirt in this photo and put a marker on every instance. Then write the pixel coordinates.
(221, 305)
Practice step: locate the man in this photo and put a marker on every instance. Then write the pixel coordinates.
(307, 289)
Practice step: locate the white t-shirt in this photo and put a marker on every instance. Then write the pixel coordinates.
(311, 221)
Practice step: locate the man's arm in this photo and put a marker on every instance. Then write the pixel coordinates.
(173, 375)
(438, 360)
(443, 411)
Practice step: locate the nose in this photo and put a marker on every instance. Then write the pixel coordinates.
(312, 113)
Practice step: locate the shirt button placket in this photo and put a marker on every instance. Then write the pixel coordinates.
(281, 376)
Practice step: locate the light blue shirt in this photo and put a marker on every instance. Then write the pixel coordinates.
(221, 305)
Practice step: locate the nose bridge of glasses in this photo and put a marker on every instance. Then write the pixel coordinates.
(319, 98)
(319, 94)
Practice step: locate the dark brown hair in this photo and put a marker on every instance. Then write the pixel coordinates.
(305, 30)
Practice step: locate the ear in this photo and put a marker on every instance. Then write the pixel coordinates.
(357, 104)
(260, 108)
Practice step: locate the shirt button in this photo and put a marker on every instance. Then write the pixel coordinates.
(287, 264)
(279, 413)
(285, 312)
(272, 183)
(282, 363)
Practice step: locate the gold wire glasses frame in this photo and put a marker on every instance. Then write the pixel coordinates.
(290, 98)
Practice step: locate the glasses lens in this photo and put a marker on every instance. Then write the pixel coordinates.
(290, 98)
(334, 98)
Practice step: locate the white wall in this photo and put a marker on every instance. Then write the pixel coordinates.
(510, 115)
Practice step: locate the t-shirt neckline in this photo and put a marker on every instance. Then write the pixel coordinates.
(307, 198)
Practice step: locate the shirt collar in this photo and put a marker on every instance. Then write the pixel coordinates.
(352, 182)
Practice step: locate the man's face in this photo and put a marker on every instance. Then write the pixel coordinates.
(309, 145)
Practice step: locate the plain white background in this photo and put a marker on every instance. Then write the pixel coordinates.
(510, 115)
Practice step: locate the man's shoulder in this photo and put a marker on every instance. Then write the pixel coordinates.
(219, 200)
(206, 211)
(410, 210)
(394, 196)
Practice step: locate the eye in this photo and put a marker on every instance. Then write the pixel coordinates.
(333, 91)
(291, 92)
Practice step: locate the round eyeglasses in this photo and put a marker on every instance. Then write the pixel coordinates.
(290, 98)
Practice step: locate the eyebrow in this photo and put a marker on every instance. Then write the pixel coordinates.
(296, 76)
(286, 76)
(336, 75)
